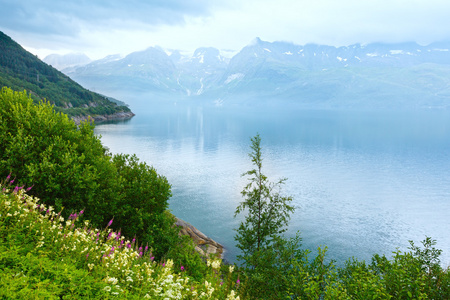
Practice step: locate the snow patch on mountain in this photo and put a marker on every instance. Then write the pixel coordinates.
(234, 77)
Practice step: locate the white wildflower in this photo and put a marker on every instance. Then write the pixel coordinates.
(112, 280)
(215, 264)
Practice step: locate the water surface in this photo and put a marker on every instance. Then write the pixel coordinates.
(362, 182)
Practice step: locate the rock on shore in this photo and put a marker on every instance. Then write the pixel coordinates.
(204, 245)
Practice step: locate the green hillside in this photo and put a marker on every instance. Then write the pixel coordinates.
(21, 70)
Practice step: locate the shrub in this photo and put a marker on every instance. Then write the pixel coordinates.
(71, 169)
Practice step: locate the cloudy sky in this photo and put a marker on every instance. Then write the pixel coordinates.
(102, 27)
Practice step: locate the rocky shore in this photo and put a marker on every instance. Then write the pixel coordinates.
(103, 118)
(204, 245)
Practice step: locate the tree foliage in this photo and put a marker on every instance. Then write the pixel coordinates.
(70, 169)
(268, 211)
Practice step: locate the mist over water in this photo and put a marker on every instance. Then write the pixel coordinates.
(363, 182)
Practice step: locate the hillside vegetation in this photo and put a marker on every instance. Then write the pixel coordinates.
(101, 230)
(20, 70)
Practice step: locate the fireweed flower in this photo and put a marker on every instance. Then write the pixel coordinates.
(110, 222)
(182, 268)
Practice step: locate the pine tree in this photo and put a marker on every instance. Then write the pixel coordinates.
(268, 212)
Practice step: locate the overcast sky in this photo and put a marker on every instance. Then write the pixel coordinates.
(102, 27)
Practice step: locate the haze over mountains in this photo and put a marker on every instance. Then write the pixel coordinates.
(404, 75)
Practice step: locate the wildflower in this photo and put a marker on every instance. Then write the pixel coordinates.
(182, 268)
(215, 264)
(8, 177)
(231, 268)
(112, 280)
(16, 189)
(110, 222)
(107, 288)
(238, 282)
(87, 256)
(29, 188)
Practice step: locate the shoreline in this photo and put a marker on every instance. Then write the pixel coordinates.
(104, 118)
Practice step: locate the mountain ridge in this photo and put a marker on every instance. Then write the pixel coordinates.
(309, 74)
(21, 70)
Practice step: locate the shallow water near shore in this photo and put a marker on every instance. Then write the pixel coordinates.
(363, 182)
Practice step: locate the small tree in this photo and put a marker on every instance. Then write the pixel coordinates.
(268, 211)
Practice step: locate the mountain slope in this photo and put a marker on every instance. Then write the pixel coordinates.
(20, 70)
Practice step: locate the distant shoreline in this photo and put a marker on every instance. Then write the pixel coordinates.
(103, 118)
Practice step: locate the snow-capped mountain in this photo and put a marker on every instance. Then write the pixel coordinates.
(373, 73)
(71, 60)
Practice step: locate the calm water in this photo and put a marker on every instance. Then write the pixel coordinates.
(362, 182)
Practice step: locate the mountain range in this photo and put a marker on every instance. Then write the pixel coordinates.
(405, 75)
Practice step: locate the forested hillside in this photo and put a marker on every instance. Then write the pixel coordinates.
(20, 70)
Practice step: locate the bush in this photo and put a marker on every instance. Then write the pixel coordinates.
(71, 169)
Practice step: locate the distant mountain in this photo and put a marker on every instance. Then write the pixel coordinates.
(67, 61)
(20, 70)
(404, 75)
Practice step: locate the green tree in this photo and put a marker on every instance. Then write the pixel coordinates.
(268, 211)
(266, 254)
(70, 169)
